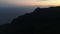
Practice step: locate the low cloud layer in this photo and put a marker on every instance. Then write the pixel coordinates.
(42, 0)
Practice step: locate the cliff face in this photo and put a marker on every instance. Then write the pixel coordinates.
(41, 20)
(39, 15)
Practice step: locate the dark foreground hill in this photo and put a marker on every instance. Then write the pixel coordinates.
(40, 21)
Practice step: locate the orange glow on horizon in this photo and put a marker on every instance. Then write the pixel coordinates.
(40, 3)
(34, 2)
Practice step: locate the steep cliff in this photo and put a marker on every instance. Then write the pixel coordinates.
(40, 21)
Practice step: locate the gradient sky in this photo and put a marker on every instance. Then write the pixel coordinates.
(32, 2)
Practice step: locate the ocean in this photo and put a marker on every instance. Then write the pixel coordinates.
(8, 14)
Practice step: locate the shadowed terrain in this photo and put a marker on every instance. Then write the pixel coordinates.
(40, 21)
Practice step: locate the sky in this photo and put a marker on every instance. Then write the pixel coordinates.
(32, 2)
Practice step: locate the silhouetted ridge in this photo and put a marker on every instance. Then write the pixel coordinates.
(40, 21)
(37, 9)
(45, 17)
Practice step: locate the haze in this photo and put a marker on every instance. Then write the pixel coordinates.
(32, 2)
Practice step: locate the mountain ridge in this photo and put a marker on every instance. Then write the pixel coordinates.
(40, 21)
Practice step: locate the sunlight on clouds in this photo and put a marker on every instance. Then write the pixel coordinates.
(33, 2)
(54, 3)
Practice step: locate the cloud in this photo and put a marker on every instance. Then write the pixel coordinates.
(48, 0)
(42, 0)
(31, 2)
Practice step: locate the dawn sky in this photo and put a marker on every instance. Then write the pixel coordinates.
(32, 2)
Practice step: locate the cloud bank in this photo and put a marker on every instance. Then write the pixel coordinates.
(31, 2)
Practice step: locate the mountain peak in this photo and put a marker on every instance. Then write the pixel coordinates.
(37, 9)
